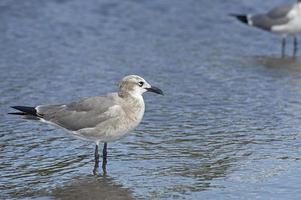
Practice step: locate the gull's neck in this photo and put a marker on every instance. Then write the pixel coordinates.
(133, 105)
(132, 97)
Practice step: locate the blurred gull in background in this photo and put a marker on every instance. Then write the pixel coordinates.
(284, 20)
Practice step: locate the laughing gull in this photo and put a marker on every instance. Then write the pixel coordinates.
(283, 20)
(99, 119)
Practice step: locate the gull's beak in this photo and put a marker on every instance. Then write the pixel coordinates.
(155, 90)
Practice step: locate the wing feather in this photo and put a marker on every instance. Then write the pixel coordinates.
(280, 12)
(83, 114)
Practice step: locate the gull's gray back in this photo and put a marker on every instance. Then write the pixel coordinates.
(83, 114)
(277, 16)
(266, 23)
(280, 11)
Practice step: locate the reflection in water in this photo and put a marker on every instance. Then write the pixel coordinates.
(92, 188)
(291, 63)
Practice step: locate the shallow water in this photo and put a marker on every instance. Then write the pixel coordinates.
(228, 126)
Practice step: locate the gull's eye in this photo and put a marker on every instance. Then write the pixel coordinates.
(140, 83)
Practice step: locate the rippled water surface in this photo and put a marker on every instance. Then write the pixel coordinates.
(228, 127)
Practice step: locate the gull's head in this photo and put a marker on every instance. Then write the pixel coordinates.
(135, 85)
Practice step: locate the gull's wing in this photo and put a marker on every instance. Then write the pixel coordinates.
(280, 12)
(87, 113)
(277, 16)
(266, 23)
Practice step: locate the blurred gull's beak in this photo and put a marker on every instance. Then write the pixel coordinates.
(155, 90)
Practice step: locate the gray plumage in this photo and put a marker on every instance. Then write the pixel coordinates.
(277, 16)
(104, 118)
(280, 11)
(266, 23)
(78, 115)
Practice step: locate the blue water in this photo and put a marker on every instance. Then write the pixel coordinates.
(228, 126)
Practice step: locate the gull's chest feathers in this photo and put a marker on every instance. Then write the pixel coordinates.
(134, 109)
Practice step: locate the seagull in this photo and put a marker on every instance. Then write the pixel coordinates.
(284, 20)
(98, 119)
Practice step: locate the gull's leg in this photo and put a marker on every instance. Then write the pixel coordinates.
(104, 158)
(96, 160)
(295, 46)
(104, 151)
(283, 47)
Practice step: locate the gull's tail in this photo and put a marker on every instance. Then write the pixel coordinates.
(25, 110)
(243, 18)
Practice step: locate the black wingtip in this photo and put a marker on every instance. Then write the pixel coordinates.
(242, 18)
(25, 110)
(16, 113)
